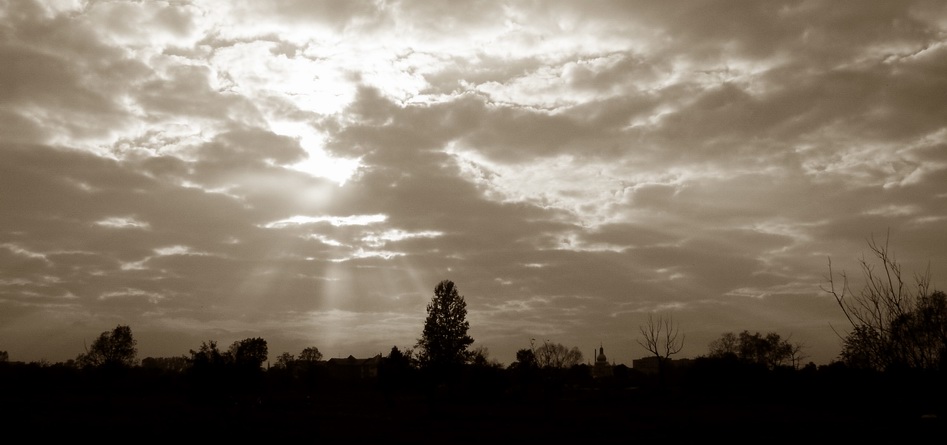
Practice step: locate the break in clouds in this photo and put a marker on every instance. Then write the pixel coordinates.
(307, 171)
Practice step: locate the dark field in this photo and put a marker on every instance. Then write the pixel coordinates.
(368, 415)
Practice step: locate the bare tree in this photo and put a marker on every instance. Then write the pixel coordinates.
(662, 338)
(884, 314)
(796, 354)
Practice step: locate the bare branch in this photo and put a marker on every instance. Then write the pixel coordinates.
(661, 337)
(884, 330)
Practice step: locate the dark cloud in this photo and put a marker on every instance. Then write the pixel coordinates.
(186, 91)
(334, 14)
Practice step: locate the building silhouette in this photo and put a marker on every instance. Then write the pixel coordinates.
(653, 365)
(601, 368)
(351, 368)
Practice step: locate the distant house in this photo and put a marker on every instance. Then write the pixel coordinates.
(352, 368)
(649, 365)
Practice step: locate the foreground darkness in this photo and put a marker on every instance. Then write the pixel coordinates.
(710, 400)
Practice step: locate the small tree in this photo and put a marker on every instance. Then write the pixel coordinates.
(285, 361)
(480, 357)
(111, 349)
(444, 341)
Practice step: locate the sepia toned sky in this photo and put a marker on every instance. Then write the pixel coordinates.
(308, 171)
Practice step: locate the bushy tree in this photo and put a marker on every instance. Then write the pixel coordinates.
(117, 348)
(920, 336)
(249, 353)
(444, 341)
(525, 359)
(770, 350)
(310, 354)
(400, 359)
(894, 325)
(727, 345)
(207, 356)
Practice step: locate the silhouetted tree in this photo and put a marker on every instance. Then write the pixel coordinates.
(310, 354)
(893, 324)
(662, 338)
(444, 341)
(480, 356)
(525, 359)
(207, 356)
(770, 351)
(208, 371)
(397, 370)
(397, 358)
(485, 378)
(285, 361)
(4, 357)
(727, 344)
(249, 353)
(169, 364)
(111, 349)
(557, 355)
(920, 336)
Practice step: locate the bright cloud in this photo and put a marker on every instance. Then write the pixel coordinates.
(354, 220)
(123, 222)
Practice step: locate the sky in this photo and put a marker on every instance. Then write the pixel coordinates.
(308, 171)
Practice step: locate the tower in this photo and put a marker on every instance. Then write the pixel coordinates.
(601, 367)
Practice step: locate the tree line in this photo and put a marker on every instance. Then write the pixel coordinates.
(896, 330)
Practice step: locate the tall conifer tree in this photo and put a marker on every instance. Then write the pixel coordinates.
(444, 342)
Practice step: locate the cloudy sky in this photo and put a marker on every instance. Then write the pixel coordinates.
(308, 171)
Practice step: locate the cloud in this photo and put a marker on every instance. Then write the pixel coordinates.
(308, 171)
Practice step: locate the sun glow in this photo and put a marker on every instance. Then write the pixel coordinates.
(318, 162)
